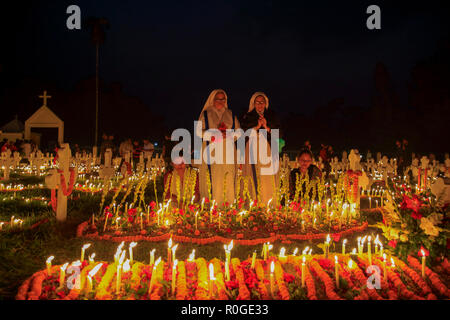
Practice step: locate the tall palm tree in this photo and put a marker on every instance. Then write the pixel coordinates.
(98, 36)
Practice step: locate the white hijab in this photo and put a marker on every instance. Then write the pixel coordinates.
(253, 98)
(210, 101)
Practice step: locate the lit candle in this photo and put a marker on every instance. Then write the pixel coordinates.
(49, 264)
(303, 271)
(253, 260)
(152, 280)
(370, 202)
(196, 214)
(83, 249)
(282, 257)
(381, 249)
(423, 263)
(91, 274)
(118, 252)
(327, 245)
(343, 246)
(303, 225)
(384, 267)
(132, 245)
(272, 268)
(212, 278)
(369, 250)
(359, 245)
(211, 210)
(203, 202)
(192, 256)
(118, 273)
(117, 223)
(376, 244)
(152, 257)
(141, 221)
(295, 252)
(174, 249)
(268, 204)
(219, 219)
(192, 200)
(169, 253)
(240, 216)
(174, 275)
(62, 274)
(227, 259)
(91, 259)
(336, 273)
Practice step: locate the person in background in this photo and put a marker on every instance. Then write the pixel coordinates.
(168, 145)
(179, 171)
(137, 149)
(307, 145)
(103, 147)
(305, 166)
(148, 148)
(111, 144)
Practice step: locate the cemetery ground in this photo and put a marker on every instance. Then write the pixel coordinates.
(24, 251)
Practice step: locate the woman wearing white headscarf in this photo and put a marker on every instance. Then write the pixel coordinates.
(259, 117)
(217, 115)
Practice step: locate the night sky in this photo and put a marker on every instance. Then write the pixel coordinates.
(171, 54)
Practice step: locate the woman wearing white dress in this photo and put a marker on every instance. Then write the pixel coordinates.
(217, 115)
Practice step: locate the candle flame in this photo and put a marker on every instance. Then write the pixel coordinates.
(192, 256)
(76, 263)
(344, 242)
(133, 244)
(157, 262)
(175, 264)
(392, 262)
(328, 238)
(422, 252)
(304, 259)
(92, 256)
(335, 259)
(282, 252)
(295, 251)
(230, 246)
(272, 267)
(174, 248)
(310, 251)
(170, 243)
(211, 272)
(350, 264)
(306, 250)
(49, 260)
(126, 266)
(122, 257)
(95, 270)
(64, 266)
(354, 251)
(384, 257)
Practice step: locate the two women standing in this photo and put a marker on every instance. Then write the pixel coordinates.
(222, 173)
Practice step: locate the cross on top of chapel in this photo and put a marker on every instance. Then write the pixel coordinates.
(45, 97)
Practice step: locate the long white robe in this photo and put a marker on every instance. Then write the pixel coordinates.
(223, 174)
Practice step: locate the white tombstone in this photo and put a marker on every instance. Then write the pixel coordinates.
(378, 157)
(53, 181)
(441, 191)
(354, 160)
(107, 171)
(6, 163)
(424, 162)
(364, 181)
(16, 159)
(447, 167)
